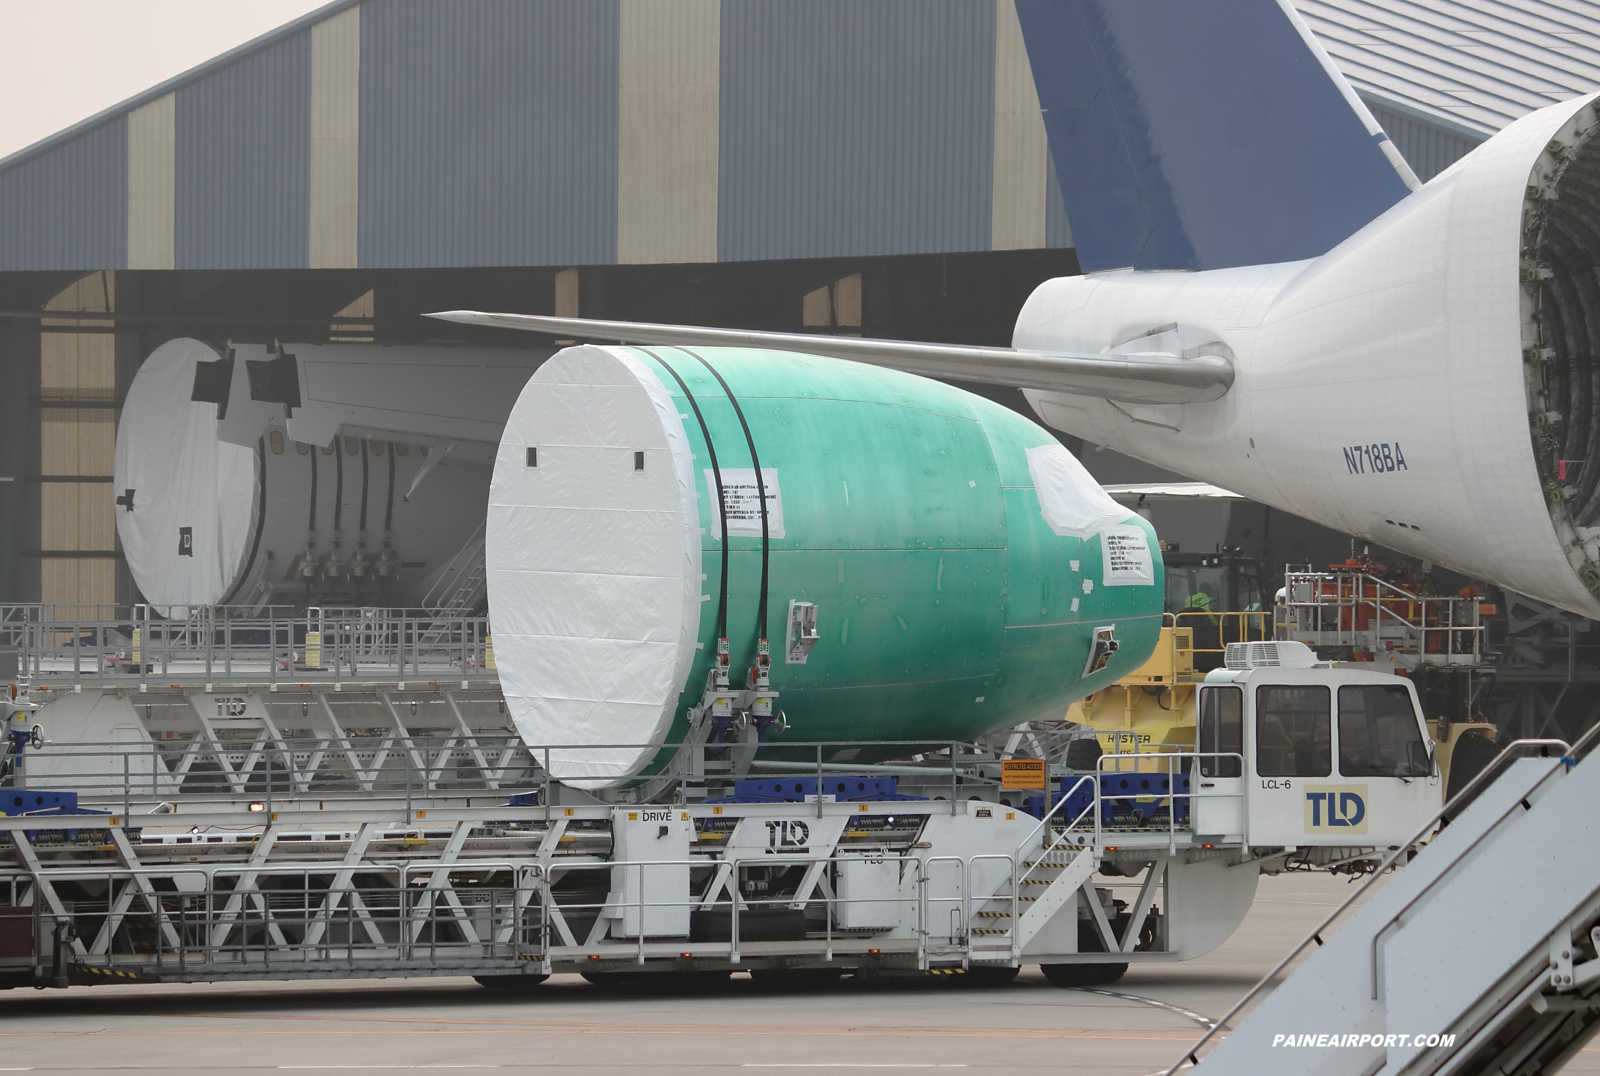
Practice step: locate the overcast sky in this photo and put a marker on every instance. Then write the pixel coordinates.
(64, 60)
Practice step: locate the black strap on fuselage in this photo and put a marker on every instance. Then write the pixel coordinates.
(761, 491)
(338, 488)
(363, 527)
(716, 475)
(311, 525)
(388, 511)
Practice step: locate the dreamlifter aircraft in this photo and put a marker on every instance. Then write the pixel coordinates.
(1274, 304)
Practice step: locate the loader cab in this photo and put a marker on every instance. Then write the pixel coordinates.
(1296, 755)
(1229, 583)
(1218, 597)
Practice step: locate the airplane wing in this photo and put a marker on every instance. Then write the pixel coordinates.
(1136, 373)
(1171, 490)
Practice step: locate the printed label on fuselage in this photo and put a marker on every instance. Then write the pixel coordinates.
(1336, 808)
(742, 498)
(1127, 557)
(1374, 459)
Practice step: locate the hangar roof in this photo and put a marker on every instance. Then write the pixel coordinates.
(1471, 66)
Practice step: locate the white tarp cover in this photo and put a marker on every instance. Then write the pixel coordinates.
(1070, 500)
(594, 567)
(181, 477)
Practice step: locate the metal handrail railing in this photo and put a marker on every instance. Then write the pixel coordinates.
(1352, 593)
(317, 644)
(1012, 948)
(1233, 626)
(273, 764)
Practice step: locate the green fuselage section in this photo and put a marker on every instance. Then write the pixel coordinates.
(947, 607)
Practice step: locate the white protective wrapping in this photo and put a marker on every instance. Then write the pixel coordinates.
(1070, 500)
(594, 567)
(182, 476)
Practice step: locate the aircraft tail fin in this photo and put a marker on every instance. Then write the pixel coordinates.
(1203, 134)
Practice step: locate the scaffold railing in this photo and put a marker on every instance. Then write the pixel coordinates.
(206, 644)
(1374, 618)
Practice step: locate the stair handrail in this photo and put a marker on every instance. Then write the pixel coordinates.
(1569, 754)
(1044, 821)
(448, 581)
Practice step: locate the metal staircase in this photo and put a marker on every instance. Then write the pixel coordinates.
(461, 584)
(1071, 872)
(1047, 874)
(1481, 956)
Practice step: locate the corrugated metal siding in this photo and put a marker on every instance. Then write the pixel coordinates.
(488, 132)
(854, 128)
(1474, 65)
(68, 209)
(243, 140)
(1427, 148)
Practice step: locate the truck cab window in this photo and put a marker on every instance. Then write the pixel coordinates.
(1220, 728)
(1294, 731)
(1379, 735)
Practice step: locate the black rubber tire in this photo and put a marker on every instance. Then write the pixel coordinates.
(987, 976)
(795, 979)
(1066, 975)
(1472, 754)
(693, 982)
(1083, 754)
(660, 982)
(509, 982)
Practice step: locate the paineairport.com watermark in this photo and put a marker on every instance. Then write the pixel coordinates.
(1382, 1042)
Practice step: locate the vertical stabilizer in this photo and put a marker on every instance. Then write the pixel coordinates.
(1202, 134)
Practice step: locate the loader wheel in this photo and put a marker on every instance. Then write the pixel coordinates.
(1065, 975)
(659, 982)
(1084, 754)
(787, 979)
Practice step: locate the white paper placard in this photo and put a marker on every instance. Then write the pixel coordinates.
(742, 497)
(1127, 557)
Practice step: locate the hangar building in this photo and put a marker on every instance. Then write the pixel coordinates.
(877, 167)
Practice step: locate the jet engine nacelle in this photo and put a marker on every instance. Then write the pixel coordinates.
(1431, 384)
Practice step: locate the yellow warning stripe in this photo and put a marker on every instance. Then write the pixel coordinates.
(118, 973)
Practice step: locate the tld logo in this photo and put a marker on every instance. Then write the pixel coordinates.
(785, 836)
(1336, 809)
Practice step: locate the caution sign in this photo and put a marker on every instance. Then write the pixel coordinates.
(1023, 773)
